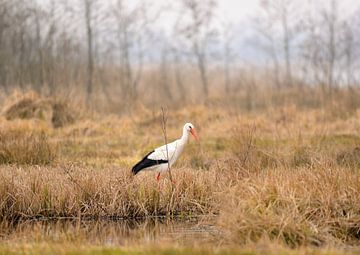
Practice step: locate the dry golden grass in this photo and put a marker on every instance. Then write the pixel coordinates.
(297, 206)
(30, 105)
(294, 190)
(24, 147)
(287, 175)
(70, 191)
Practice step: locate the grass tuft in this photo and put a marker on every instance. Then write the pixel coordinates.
(31, 106)
(25, 147)
(349, 158)
(295, 207)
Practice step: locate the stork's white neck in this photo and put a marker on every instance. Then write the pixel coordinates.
(185, 136)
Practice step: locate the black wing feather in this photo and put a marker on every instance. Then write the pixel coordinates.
(146, 162)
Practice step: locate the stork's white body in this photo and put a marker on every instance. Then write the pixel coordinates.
(163, 156)
(174, 150)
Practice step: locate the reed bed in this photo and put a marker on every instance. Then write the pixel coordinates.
(316, 206)
(71, 191)
(285, 176)
(19, 147)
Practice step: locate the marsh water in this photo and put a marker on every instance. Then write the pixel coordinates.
(189, 231)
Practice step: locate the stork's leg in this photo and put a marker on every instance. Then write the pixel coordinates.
(158, 181)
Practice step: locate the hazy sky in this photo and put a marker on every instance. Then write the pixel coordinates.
(234, 11)
(240, 13)
(237, 10)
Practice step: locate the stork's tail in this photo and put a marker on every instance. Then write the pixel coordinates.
(137, 168)
(146, 163)
(141, 164)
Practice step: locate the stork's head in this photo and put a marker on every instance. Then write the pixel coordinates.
(191, 129)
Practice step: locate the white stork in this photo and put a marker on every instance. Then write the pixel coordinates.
(158, 161)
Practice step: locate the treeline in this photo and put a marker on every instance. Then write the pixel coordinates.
(119, 51)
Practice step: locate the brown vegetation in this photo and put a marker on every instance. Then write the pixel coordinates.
(88, 193)
(279, 160)
(25, 147)
(297, 206)
(31, 106)
(285, 175)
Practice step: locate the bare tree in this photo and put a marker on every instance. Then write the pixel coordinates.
(49, 47)
(178, 72)
(349, 54)
(267, 44)
(40, 66)
(88, 4)
(321, 46)
(199, 32)
(287, 38)
(3, 25)
(132, 32)
(278, 24)
(330, 18)
(228, 36)
(164, 73)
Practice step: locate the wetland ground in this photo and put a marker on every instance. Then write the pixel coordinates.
(285, 180)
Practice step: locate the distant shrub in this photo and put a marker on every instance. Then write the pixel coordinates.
(30, 106)
(350, 158)
(301, 156)
(62, 114)
(19, 147)
(27, 106)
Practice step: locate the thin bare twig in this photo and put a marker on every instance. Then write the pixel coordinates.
(164, 120)
(249, 145)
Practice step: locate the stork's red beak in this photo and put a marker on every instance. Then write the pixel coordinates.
(194, 133)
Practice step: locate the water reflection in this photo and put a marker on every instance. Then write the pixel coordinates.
(110, 232)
